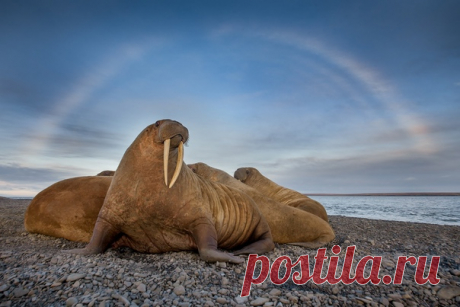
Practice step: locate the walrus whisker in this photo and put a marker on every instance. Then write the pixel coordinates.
(180, 157)
(167, 144)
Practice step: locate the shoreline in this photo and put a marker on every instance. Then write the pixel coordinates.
(34, 271)
(387, 194)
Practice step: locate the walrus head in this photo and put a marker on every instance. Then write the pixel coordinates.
(169, 133)
(242, 174)
(203, 170)
(173, 135)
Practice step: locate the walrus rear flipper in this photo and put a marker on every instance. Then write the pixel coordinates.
(104, 235)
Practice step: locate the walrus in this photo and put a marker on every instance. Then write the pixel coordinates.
(149, 212)
(106, 173)
(68, 208)
(253, 178)
(287, 224)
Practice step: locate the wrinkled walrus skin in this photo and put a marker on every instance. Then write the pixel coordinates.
(287, 224)
(253, 178)
(68, 209)
(147, 212)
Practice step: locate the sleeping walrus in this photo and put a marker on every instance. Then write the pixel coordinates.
(149, 212)
(287, 224)
(253, 178)
(68, 209)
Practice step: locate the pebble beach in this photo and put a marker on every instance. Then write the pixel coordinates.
(35, 272)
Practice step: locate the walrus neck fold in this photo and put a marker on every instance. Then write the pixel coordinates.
(180, 157)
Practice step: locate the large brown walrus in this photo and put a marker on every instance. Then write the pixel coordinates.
(253, 178)
(148, 212)
(68, 209)
(287, 224)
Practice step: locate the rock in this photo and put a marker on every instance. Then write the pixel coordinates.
(335, 290)
(221, 264)
(121, 298)
(179, 290)
(6, 304)
(75, 276)
(20, 291)
(223, 291)
(221, 300)
(259, 301)
(142, 288)
(275, 292)
(395, 296)
(397, 304)
(448, 292)
(4, 287)
(196, 294)
(241, 300)
(71, 301)
(384, 301)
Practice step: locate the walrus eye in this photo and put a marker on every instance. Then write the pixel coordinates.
(157, 124)
(247, 172)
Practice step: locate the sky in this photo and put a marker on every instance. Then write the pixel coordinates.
(319, 96)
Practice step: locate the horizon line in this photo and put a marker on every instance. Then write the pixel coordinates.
(387, 194)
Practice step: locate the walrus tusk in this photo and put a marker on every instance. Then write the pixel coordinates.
(180, 157)
(166, 159)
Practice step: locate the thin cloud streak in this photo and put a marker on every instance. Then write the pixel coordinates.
(375, 84)
(81, 94)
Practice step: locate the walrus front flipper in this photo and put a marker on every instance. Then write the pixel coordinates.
(104, 235)
(206, 242)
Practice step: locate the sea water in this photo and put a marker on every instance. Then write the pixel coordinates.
(442, 210)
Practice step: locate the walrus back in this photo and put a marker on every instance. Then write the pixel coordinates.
(68, 209)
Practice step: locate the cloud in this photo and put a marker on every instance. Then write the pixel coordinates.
(82, 93)
(15, 173)
(74, 140)
(368, 172)
(378, 87)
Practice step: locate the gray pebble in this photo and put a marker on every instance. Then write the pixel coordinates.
(275, 292)
(449, 292)
(75, 276)
(71, 301)
(20, 291)
(179, 290)
(142, 288)
(259, 301)
(241, 300)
